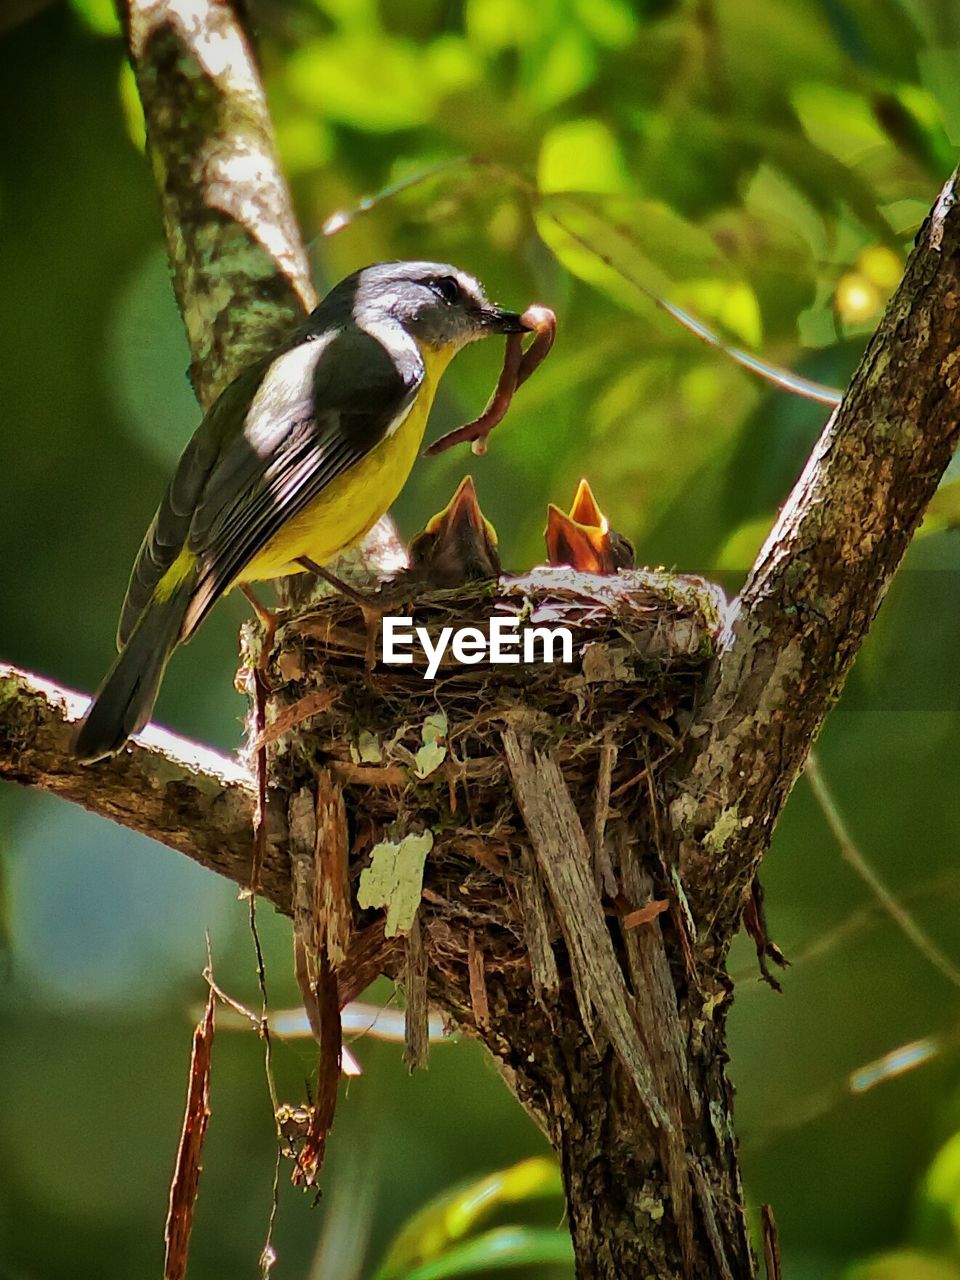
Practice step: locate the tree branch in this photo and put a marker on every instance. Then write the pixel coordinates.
(175, 791)
(810, 599)
(240, 271)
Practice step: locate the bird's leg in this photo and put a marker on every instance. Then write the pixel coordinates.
(268, 619)
(345, 589)
(372, 613)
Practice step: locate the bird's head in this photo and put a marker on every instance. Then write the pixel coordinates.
(436, 303)
(458, 544)
(583, 538)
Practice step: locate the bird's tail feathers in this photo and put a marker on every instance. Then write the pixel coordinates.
(123, 703)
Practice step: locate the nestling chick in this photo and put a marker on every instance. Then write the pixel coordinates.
(583, 538)
(458, 544)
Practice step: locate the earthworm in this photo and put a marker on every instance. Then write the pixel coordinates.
(517, 368)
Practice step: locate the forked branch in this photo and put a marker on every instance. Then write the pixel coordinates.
(817, 584)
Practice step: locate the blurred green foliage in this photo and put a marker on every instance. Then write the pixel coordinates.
(764, 166)
(442, 1240)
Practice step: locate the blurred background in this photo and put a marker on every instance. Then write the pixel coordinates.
(764, 166)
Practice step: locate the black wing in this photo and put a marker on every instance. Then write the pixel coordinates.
(320, 408)
(168, 531)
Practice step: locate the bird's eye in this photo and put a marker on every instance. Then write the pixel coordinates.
(446, 288)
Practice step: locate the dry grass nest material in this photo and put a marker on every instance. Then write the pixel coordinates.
(414, 754)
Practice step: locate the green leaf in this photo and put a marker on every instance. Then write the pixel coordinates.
(939, 1208)
(938, 71)
(452, 1215)
(333, 77)
(366, 749)
(98, 16)
(132, 107)
(913, 121)
(581, 155)
(566, 64)
(496, 1250)
(838, 122)
(305, 142)
(944, 509)
(610, 22)
(828, 183)
(435, 726)
(627, 247)
(432, 754)
(732, 303)
(773, 195)
(740, 550)
(493, 25)
(904, 1264)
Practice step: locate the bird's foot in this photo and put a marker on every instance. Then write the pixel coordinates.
(371, 611)
(269, 619)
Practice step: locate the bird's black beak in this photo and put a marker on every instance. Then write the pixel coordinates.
(496, 320)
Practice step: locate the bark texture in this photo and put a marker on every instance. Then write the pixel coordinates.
(175, 791)
(239, 267)
(611, 1033)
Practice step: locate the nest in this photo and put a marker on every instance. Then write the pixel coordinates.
(413, 755)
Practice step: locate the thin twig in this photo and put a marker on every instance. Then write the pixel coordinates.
(856, 922)
(852, 855)
(771, 1243)
(186, 1176)
(896, 1062)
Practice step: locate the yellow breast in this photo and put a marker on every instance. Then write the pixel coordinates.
(351, 505)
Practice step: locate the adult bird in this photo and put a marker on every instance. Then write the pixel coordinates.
(298, 458)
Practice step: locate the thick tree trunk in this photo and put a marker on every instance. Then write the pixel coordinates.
(549, 925)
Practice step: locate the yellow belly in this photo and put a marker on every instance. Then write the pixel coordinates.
(351, 505)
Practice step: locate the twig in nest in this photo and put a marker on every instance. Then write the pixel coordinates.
(517, 368)
(331, 901)
(416, 1028)
(564, 858)
(602, 866)
(315, 827)
(643, 915)
(537, 931)
(478, 982)
(260, 810)
(309, 705)
(309, 1159)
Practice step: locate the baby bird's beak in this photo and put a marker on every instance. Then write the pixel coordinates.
(583, 538)
(458, 544)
